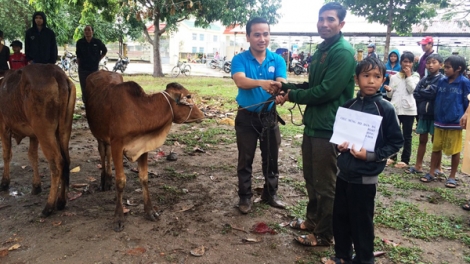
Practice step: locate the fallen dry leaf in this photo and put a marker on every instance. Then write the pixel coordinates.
(198, 252)
(58, 223)
(227, 121)
(186, 208)
(99, 166)
(76, 169)
(252, 239)
(3, 252)
(79, 185)
(14, 247)
(23, 167)
(125, 210)
(89, 178)
(136, 251)
(390, 242)
(73, 195)
(130, 203)
(198, 149)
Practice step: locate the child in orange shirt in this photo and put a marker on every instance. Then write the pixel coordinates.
(17, 59)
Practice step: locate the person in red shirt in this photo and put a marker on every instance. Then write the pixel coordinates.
(17, 59)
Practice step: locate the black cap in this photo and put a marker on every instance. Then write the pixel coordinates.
(16, 43)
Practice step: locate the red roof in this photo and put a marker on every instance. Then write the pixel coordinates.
(234, 29)
(151, 28)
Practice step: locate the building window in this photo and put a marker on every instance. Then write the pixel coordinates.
(194, 50)
(201, 49)
(194, 36)
(201, 37)
(215, 38)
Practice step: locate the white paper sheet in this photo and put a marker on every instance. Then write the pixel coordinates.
(358, 128)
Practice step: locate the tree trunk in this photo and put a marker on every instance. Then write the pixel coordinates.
(389, 31)
(157, 60)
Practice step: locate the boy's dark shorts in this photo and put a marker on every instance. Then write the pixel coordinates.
(425, 126)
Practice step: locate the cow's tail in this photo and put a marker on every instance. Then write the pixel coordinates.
(67, 96)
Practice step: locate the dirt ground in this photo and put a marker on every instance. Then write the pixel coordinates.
(197, 197)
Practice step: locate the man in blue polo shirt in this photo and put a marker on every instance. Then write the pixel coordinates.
(254, 72)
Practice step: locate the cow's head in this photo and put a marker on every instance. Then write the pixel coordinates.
(185, 110)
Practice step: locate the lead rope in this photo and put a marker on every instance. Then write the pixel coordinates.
(166, 95)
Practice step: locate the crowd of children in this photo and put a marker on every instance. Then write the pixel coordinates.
(429, 98)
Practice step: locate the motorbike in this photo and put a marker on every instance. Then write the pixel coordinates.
(121, 63)
(223, 64)
(300, 67)
(64, 62)
(68, 63)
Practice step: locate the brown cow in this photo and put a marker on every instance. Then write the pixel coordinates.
(127, 121)
(38, 101)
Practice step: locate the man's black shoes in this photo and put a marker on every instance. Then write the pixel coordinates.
(273, 201)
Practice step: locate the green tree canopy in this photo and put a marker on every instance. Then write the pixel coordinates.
(15, 18)
(171, 12)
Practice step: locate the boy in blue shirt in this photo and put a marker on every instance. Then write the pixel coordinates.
(450, 105)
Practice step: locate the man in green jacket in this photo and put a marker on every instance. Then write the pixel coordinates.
(331, 84)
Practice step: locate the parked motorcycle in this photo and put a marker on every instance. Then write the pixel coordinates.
(68, 63)
(223, 64)
(300, 67)
(121, 64)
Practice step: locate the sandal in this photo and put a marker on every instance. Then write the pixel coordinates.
(413, 170)
(451, 183)
(400, 165)
(466, 207)
(317, 242)
(335, 260)
(427, 178)
(297, 224)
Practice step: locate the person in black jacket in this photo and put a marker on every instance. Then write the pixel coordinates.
(90, 51)
(356, 182)
(40, 41)
(425, 94)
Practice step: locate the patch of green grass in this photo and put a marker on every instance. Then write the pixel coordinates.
(408, 182)
(204, 137)
(170, 189)
(298, 210)
(399, 254)
(384, 190)
(413, 222)
(258, 209)
(297, 185)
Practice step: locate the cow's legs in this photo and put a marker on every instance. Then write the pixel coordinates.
(6, 149)
(51, 150)
(33, 159)
(116, 150)
(106, 168)
(150, 213)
